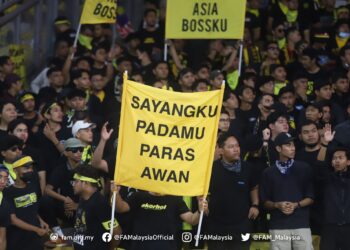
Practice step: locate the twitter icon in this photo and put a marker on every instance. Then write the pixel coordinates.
(245, 237)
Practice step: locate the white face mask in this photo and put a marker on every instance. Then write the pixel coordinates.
(344, 34)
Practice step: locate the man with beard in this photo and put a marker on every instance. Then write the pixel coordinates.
(312, 153)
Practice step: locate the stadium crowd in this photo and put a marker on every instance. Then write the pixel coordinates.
(281, 159)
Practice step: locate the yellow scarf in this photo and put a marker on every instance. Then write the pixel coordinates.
(341, 41)
(10, 169)
(291, 15)
(85, 41)
(255, 12)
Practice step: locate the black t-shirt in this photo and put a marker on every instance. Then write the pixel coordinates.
(5, 219)
(50, 153)
(61, 179)
(293, 186)
(36, 156)
(92, 219)
(158, 215)
(24, 203)
(227, 215)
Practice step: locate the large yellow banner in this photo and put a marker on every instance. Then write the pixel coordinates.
(205, 19)
(167, 139)
(99, 11)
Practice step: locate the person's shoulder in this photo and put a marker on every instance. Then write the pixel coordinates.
(301, 165)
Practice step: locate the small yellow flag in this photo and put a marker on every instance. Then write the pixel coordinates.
(205, 19)
(167, 139)
(99, 11)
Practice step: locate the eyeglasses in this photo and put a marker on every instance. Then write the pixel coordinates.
(224, 120)
(15, 148)
(75, 150)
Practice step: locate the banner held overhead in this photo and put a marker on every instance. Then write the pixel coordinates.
(205, 19)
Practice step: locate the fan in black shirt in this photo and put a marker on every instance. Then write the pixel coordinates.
(23, 197)
(156, 214)
(93, 212)
(5, 219)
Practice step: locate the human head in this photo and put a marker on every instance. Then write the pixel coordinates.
(284, 143)
(323, 89)
(19, 128)
(6, 65)
(73, 149)
(77, 99)
(230, 101)
(229, 148)
(246, 94)
(224, 121)
(216, 79)
(10, 148)
(266, 85)
(99, 54)
(308, 133)
(313, 112)
(52, 112)
(4, 173)
(340, 83)
(81, 79)
(287, 97)
(340, 159)
(27, 99)
(161, 71)
(55, 77)
(8, 112)
(264, 103)
(23, 167)
(278, 72)
(98, 81)
(186, 78)
(86, 178)
(83, 131)
(308, 58)
(200, 85)
(278, 123)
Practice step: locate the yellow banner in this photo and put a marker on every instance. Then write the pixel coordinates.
(205, 19)
(99, 11)
(167, 139)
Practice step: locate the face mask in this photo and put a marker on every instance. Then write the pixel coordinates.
(344, 34)
(27, 177)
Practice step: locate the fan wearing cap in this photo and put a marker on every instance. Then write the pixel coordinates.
(23, 197)
(84, 132)
(93, 214)
(11, 149)
(5, 219)
(59, 200)
(335, 186)
(286, 190)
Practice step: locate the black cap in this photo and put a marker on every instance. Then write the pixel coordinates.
(273, 117)
(283, 138)
(9, 141)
